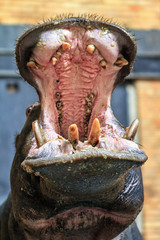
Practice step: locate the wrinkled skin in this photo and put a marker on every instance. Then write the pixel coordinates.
(83, 181)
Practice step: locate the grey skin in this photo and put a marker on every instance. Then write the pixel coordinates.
(102, 195)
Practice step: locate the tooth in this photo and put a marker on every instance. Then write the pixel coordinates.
(94, 133)
(32, 64)
(54, 60)
(132, 130)
(103, 63)
(59, 105)
(58, 95)
(91, 96)
(112, 44)
(90, 48)
(59, 53)
(121, 62)
(73, 134)
(38, 134)
(65, 46)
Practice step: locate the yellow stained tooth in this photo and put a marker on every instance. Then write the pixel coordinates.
(90, 48)
(54, 60)
(121, 62)
(38, 134)
(131, 131)
(73, 134)
(65, 46)
(94, 133)
(32, 64)
(59, 53)
(103, 63)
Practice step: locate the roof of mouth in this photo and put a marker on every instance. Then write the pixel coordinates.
(30, 38)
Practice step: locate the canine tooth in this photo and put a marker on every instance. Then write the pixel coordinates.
(121, 62)
(65, 46)
(103, 63)
(73, 134)
(90, 48)
(54, 60)
(94, 133)
(132, 130)
(37, 133)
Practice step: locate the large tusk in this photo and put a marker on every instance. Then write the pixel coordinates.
(40, 140)
(94, 133)
(132, 130)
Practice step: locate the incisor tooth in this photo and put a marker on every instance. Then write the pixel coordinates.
(94, 133)
(90, 48)
(38, 134)
(73, 134)
(65, 46)
(132, 130)
(121, 62)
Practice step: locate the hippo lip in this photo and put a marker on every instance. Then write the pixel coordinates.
(94, 171)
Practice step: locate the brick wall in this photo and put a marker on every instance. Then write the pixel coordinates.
(142, 14)
(148, 93)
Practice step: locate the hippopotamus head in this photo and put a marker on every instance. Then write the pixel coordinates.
(76, 170)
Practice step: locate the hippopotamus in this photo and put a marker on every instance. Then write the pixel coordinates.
(76, 173)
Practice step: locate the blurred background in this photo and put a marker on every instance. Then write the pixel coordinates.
(138, 97)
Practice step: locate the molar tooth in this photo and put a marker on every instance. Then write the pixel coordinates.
(121, 62)
(54, 60)
(73, 134)
(90, 48)
(91, 96)
(65, 46)
(103, 63)
(40, 140)
(88, 102)
(59, 105)
(94, 133)
(132, 130)
(58, 95)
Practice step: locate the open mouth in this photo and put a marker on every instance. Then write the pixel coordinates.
(74, 66)
(76, 145)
